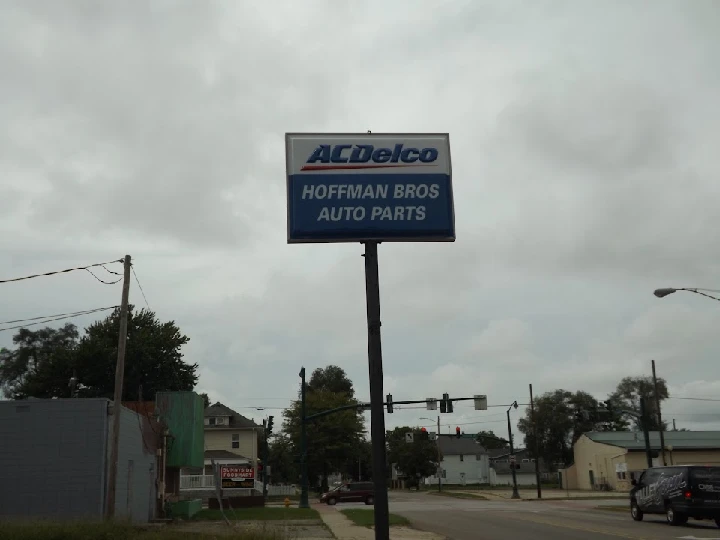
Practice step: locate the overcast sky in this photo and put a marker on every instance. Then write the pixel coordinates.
(584, 138)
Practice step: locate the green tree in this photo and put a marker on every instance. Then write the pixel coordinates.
(333, 440)
(283, 460)
(331, 379)
(490, 441)
(561, 418)
(419, 457)
(43, 361)
(627, 396)
(206, 400)
(40, 365)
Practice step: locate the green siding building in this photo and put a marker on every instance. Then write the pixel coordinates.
(183, 413)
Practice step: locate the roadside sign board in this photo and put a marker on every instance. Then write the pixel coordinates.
(409, 437)
(480, 403)
(380, 187)
(235, 477)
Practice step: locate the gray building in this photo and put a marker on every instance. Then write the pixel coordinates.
(53, 460)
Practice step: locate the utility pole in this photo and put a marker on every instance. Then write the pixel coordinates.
(659, 415)
(515, 494)
(537, 444)
(117, 396)
(646, 433)
(674, 426)
(377, 409)
(304, 502)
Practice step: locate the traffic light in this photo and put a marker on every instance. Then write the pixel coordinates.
(269, 429)
(446, 405)
(424, 434)
(457, 432)
(388, 399)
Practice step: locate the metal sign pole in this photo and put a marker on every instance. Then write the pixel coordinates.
(377, 410)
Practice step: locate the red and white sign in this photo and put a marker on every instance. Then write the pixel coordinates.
(237, 473)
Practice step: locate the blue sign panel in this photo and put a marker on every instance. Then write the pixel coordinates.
(350, 188)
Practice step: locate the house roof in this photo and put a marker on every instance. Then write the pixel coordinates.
(237, 420)
(497, 453)
(679, 440)
(450, 445)
(223, 454)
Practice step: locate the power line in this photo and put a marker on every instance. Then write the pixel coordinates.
(50, 318)
(132, 267)
(102, 280)
(693, 398)
(87, 267)
(68, 314)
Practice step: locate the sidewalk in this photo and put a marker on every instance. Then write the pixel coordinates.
(344, 529)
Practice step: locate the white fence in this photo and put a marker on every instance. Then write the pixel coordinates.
(197, 481)
(207, 481)
(277, 491)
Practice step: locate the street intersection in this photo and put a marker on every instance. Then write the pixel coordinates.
(463, 519)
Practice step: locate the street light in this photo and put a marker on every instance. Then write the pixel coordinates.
(665, 291)
(515, 494)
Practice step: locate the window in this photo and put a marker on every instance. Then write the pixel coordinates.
(236, 440)
(621, 476)
(462, 458)
(478, 457)
(211, 421)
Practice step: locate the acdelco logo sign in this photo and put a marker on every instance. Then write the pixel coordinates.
(366, 156)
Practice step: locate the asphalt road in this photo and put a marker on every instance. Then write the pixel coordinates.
(461, 519)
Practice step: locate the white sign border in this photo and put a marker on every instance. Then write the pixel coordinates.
(288, 168)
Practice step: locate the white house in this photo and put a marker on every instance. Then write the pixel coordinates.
(230, 439)
(463, 461)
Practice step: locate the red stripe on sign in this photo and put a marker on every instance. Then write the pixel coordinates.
(356, 167)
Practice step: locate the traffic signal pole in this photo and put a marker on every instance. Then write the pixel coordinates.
(304, 499)
(537, 444)
(515, 494)
(439, 456)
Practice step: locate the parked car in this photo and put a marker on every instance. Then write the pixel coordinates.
(679, 492)
(350, 492)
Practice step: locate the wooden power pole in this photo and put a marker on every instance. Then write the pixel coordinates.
(659, 414)
(117, 396)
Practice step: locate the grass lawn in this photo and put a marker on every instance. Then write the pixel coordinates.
(259, 514)
(456, 495)
(108, 531)
(366, 518)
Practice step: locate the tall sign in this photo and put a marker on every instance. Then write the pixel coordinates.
(382, 187)
(370, 188)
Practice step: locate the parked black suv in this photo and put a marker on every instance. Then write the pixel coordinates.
(682, 492)
(352, 492)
